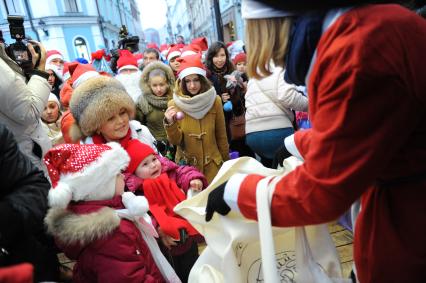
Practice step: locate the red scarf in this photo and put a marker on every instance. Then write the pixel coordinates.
(163, 195)
(99, 139)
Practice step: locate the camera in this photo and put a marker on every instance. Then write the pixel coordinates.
(130, 43)
(18, 51)
(127, 42)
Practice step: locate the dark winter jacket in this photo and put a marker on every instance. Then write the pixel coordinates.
(106, 247)
(23, 192)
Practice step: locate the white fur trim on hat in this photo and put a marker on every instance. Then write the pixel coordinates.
(251, 9)
(128, 67)
(84, 77)
(60, 196)
(190, 71)
(66, 76)
(173, 54)
(52, 57)
(95, 182)
(52, 97)
(187, 53)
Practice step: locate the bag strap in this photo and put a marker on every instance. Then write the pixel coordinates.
(264, 192)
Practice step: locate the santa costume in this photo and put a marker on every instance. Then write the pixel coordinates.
(367, 104)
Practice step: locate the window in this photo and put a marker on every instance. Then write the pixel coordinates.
(81, 48)
(71, 6)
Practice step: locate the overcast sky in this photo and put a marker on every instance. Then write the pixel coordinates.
(153, 13)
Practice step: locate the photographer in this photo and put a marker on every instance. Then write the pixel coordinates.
(24, 93)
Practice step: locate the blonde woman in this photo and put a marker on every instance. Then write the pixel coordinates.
(269, 99)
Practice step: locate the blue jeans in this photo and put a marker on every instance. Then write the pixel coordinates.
(265, 143)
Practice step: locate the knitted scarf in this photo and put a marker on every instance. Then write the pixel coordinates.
(99, 139)
(148, 100)
(163, 195)
(196, 106)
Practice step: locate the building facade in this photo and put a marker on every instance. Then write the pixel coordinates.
(74, 27)
(232, 22)
(152, 36)
(203, 20)
(196, 18)
(178, 20)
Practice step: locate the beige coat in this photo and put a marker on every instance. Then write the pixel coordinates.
(21, 106)
(201, 143)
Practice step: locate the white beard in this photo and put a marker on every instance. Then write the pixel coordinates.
(131, 83)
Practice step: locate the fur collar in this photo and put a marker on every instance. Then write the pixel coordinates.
(71, 228)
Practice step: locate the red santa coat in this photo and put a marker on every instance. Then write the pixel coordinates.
(106, 248)
(367, 101)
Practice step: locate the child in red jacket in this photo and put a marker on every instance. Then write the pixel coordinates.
(108, 232)
(163, 194)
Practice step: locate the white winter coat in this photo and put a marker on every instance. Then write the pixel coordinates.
(21, 106)
(262, 98)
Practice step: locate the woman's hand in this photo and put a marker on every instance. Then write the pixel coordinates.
(166, 239)
(42, 64)
(225, 96)
(196, 185)
(170, 114)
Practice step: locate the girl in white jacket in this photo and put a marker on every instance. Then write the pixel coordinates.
(269, 99)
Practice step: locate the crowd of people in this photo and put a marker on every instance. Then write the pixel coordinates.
(96, 154)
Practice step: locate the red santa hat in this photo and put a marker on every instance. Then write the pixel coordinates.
(190, 49)
(152, 45)
(81, 73)
(164, 49)
(201, 42)
(191, 64)
(139, 58)
(138, 152)
(173, 52)
(53, 54)
(126, 61)
(84, 171)
(240, 57)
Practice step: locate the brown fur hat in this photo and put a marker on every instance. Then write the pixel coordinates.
(94, 102)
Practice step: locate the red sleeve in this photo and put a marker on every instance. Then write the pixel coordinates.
(302, 140)
(359, 104)
(66, 124)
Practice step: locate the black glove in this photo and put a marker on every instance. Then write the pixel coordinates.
(215, 202)
(280, 154)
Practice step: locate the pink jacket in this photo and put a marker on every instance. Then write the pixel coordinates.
(182, 175)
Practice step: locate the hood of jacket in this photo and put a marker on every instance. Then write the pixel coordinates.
(148, 69)
(82, 223)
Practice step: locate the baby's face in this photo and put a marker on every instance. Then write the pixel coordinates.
(149, 168)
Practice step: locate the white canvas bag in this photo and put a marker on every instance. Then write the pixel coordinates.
(236, 252)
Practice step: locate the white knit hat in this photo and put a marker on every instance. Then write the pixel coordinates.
(251, 9)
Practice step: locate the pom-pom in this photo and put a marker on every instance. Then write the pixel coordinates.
(179, 116)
